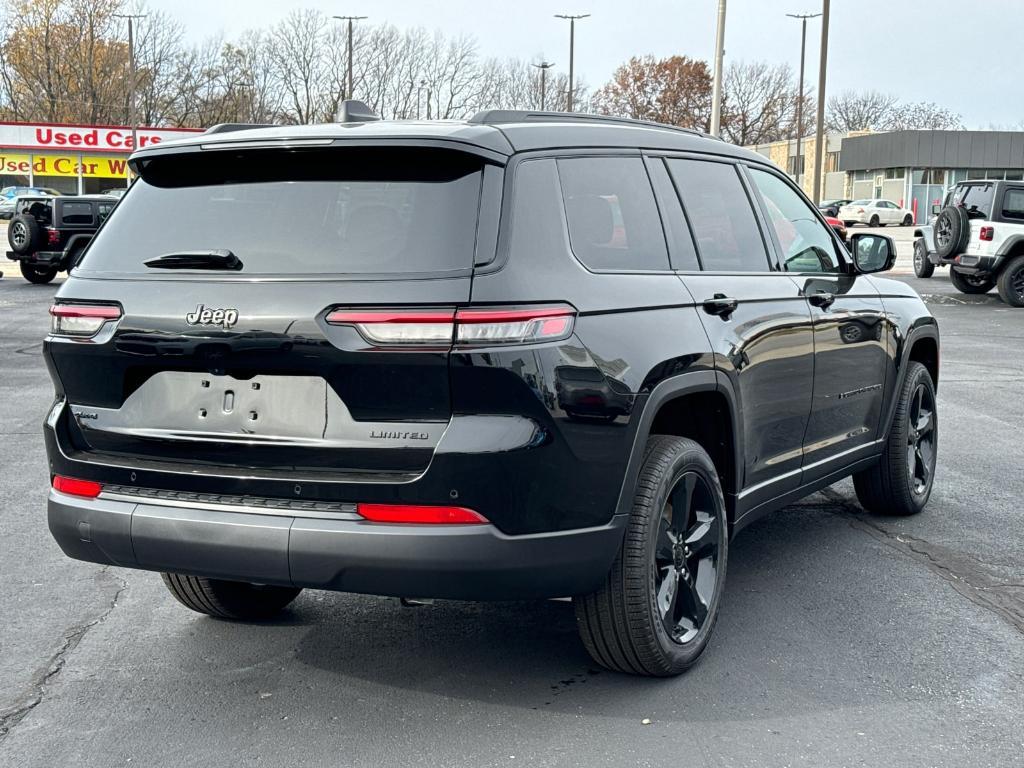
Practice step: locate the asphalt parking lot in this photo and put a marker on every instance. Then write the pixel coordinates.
(844, 639)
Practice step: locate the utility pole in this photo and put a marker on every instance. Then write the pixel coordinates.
(572, 44)
(419, 90)
(819, 130)
(716, 90)
(800, 95)
(543, 66)
(348, 77)
(133, 118)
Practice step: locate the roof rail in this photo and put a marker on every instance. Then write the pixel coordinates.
(229, 127)
(495, 116)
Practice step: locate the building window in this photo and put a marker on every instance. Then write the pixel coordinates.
(927, 176)
(831, 162)
(894, 173)
(796, 165)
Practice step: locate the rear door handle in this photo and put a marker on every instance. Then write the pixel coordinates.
(721, 305)
(822, 299)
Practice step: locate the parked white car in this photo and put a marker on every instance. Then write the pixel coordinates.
(875, 213)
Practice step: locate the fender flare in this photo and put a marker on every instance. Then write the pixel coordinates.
(930, 330)
(670, 389)
(1009, 244)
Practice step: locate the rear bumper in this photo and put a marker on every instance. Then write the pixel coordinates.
(40, 258)
(337, 552)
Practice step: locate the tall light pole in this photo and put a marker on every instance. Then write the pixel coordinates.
(572, 44)
(716, 89)
(133, 118)
(419, 90)
(348, 78)
(543, 66)
(819, 128)
(800, 95)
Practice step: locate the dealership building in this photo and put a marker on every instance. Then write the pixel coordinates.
(73, 159)
(911, 168)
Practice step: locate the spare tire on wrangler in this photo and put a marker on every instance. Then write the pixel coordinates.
(952, 231)
(25, 234)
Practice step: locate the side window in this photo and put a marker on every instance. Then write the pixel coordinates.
(807, 245)
(613, 219)
(681, 249)
(103, 210)
(76, 213)
(1013, 204)
(717, 206)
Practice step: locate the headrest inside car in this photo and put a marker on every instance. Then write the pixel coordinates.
(591, 218)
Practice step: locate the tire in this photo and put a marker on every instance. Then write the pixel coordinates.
(229, 599)
(37, 275)
(908, 220)
(922, 266)
(874, 221)
(25, 235)
(952, 230)
(971, 283)
(849, 224)
(901, 482)
(623, 625)
(1011, 282)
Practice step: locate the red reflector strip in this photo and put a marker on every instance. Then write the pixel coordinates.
(509, 315)
(345, 317)
(73, 487)
(416, 514)
(85, 310)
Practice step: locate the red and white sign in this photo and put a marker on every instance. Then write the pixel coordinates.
(85, 138)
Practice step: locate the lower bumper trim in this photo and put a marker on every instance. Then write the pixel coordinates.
(466, 562)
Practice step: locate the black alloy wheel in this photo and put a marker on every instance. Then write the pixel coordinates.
(921, 438)
(875, 221)
(1011, 282)
(686, 557)
(902, 480)
(908, 220)
(971, 284)
(656, 609)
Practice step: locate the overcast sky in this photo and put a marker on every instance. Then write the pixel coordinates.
(955, 53)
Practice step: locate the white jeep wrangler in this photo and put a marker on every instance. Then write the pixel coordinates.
(979, 235)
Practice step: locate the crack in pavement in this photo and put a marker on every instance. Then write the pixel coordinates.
(967, 575)
(11, 716)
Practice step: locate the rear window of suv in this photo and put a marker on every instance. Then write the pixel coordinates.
(977, 199)
(308, 212)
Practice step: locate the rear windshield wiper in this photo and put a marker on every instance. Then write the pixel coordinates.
(216, 259)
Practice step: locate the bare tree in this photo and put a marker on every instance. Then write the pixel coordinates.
(921, 115)
(759, 102)
(858, 110)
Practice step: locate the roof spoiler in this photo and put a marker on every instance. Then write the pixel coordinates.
(352, 111)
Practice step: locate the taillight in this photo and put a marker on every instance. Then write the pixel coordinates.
(860, 210)
(463, 327)
(512, 326)
(420, 515)
(987, 233)
(52, 236)
(81, 319)
(86, 488)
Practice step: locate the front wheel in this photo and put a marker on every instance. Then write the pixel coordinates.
(875, 221)
(1011, 282)
(901, 482)
(656, 610)
(37, 275)
(908, 220)
(229, 599)
(922, 266)
(970, 283)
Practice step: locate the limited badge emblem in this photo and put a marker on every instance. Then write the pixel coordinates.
(205, 316)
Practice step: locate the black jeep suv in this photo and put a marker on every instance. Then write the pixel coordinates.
(521, 356)
(48, 234)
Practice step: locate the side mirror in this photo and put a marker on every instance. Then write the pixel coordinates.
(872, 253)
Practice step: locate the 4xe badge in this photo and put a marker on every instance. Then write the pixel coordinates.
(204, 316)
